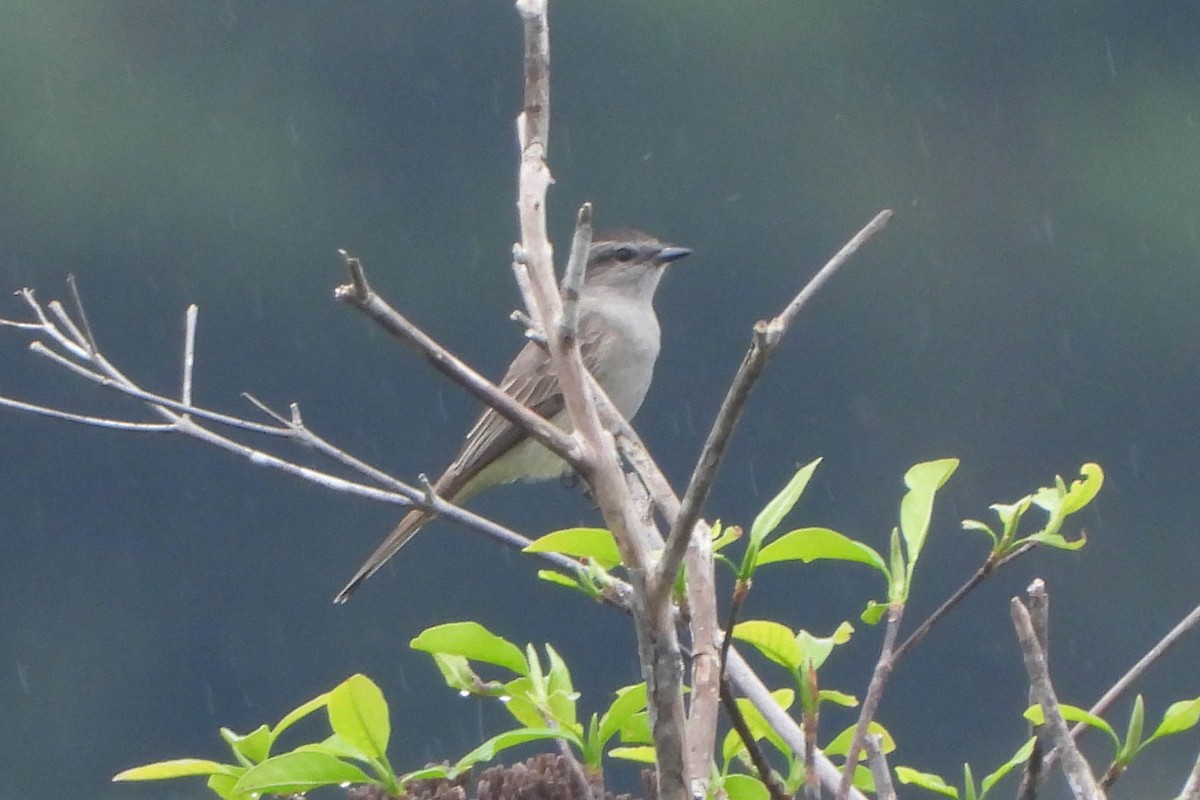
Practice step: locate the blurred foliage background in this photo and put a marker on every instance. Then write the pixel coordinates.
(1031, 307)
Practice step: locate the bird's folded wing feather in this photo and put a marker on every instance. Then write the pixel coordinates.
(531, 381)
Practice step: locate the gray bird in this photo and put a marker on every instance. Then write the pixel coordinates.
(619, 341)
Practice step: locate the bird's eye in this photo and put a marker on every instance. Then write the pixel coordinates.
(624, 254)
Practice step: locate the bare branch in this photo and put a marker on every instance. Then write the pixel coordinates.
(879, 768)
(64, 319)
(531, 315)
(359, 294)
(99, 422)
(1191, 789)
(848, 250)
(753, 689)
(757, 758)
(986, 570)
(1039, 608)
(1079, 774)
(766, 337)
(189, 353)
(79, 312)
(1137, 670)
(572, 284)
(879, 679)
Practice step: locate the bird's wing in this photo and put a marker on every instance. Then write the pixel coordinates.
(531, 382)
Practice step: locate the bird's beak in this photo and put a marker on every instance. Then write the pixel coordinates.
(671, 253)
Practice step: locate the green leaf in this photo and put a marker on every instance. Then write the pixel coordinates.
(976, 525)
(773, 513)
(488, 750)
(898, 571)
(457, 672)
(759, 728)
(636, 729)
(222, 785)
(642, 754)
(595, 543)
(299, 713)
(969, 782)
(335, 745)
(724, 536)
(254, 747)
(1010, 515)
(359, 714)
(520, 699)
(561, 695)
(299, 771)
(840, 745)
(816, 649)
(432, 772)
(837, 698)
(1083, 491)
(773, 640)
(873, 612)
(1057, 540)
(1075, 714)
(562, 579)
(744, 787)
(813, 544)
(916, 508)
(1180, 716)
(925, 780)
(630, 700)
(1018, 759)
(178, 768)
(471, 640)
(1133, 734)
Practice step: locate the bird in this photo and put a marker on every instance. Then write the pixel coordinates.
(619, 337)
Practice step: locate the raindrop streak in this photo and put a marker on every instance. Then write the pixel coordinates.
(23, 677)
(1108, 54)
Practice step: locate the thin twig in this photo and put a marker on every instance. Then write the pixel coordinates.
(531, 315)
(765, 338)
(1079, 774)
(781, 323)
(877, 761)
(83, 419)
(79, 312)
(986, 570)
(150, 398)
(879, 679)
(757, 758)
(64, 319)
(359, 294)
(1191, 789)
(572, 283)
(1039, 612)
(1137, 670)
(189, 353)
(750, 686)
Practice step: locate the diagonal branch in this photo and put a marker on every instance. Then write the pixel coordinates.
(767, 335)
(359, 294)
(1079, 774)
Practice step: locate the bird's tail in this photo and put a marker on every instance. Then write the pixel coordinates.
(413, 521)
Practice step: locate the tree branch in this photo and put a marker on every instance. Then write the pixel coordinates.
(879, 679)
(766, 337)
(1079, 774)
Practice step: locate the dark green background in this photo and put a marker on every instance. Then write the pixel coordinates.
(1031, 307)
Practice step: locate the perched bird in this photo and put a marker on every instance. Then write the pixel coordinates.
(619, 340)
